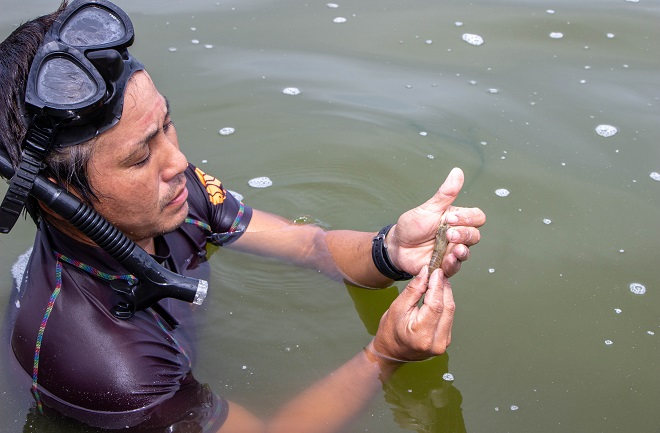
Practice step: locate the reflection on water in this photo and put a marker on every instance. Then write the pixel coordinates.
(553, 118)
(420, 395)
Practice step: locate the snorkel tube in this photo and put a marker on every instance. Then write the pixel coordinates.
(154, 281)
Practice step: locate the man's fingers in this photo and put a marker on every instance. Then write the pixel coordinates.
(439, 309)
(415, 289)
(466, 216)
(434, 298)
(443, 330)
(464, 235)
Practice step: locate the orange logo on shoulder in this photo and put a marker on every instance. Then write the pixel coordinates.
(213, 186)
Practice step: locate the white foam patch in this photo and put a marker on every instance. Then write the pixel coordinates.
(606, 130)
(237, 196)
(260, 182)
(473, 39)
(637, 288)
(291, 91)
(18, 269)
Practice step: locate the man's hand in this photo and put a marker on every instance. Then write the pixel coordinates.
(410, 242)
(410, 333)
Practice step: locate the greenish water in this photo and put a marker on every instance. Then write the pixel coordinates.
(395, 83)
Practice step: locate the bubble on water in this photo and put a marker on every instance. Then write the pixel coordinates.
(618, 310)
(429, 156)
(473, 39)
(655, 176)
(423, 133)
(291, 91)
(458, 23)
(18, 268)
(556, 35)
(650, 332)
(237, 196)
(550, 11)
(204, 161)
(172, 49)
(260, 182)
(502, 192)
(339, 20)
(610, 35)
(208, 46)
(195, 41)
(493, 91)
(514, 407)
(606, 130)
(632, 1)
(637, 288)
(448, 377)
(491, 270)
(227, 131)
(609, 342)
(547, 221)
(332, 5)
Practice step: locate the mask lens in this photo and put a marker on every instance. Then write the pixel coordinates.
(92, 26)
(62, 82)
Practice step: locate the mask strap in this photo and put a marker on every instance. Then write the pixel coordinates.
(36, 146)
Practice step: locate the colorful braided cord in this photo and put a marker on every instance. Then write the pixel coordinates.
(197, 223)
(40, 335)
(51, 302)
(220, 237)
(93, 271)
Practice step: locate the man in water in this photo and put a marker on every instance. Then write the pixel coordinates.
(68, 81)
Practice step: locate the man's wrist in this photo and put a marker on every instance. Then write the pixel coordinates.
(381, 257)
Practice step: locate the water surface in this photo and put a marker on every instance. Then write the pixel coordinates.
(549, 337)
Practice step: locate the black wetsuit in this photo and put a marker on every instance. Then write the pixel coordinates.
(113, 373)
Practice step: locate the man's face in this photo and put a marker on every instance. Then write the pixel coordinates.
(136, 168)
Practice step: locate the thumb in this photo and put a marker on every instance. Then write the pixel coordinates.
(449, 189)
(412, 294)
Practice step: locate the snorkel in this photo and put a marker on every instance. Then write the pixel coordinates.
(74, 92)
(154, 281)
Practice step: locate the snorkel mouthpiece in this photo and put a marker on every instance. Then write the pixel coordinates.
(202, 289)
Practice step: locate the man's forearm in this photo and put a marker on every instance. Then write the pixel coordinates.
(336, 399)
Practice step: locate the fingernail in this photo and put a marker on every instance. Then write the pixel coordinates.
(452, 218)
(453, 235)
